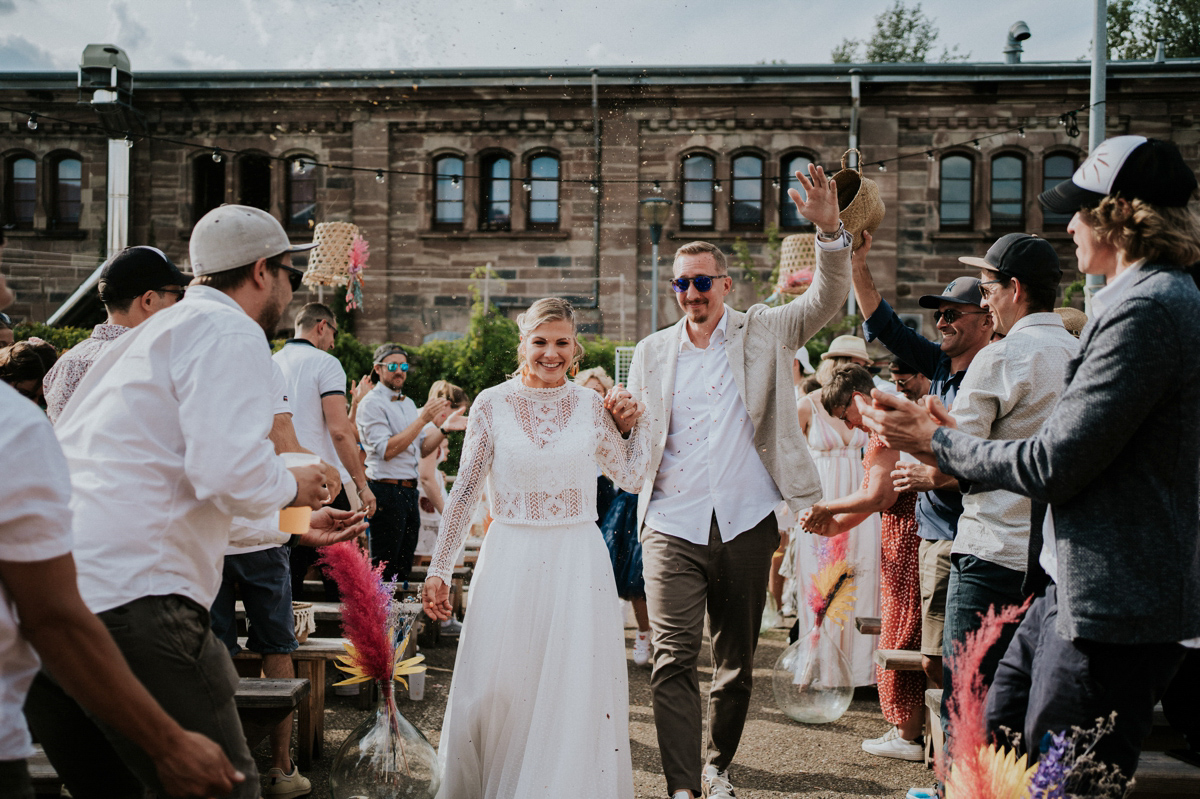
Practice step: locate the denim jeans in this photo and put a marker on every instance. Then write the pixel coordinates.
(975, 586)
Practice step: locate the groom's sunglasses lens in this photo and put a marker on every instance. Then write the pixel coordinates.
(702, 283)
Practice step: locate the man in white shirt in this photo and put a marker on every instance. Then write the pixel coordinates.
(166, 440)
(727, 449)
(135, 284)
(393, 434)
(1009, 390)
(37, 586)
(316, 385)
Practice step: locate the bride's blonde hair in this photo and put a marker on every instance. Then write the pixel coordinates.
(547, 309)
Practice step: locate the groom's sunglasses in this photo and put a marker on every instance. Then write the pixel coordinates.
(701, 282)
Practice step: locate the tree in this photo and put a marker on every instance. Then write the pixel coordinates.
(902, 35)
(1135, 26)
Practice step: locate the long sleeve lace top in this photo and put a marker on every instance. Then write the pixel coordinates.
(538, 448)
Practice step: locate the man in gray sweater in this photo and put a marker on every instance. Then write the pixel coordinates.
(1114, 472)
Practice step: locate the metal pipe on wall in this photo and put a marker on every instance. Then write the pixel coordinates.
(1096, 115)
(118, 195)
(855, 104)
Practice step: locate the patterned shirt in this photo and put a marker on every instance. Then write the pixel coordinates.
(60, 382)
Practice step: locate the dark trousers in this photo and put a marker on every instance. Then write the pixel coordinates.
(172, 651)
(14, 780)
(1181, 702)
(683, 580)
(975, 586)
(304, 557)
(1046, 684)
(395, 528)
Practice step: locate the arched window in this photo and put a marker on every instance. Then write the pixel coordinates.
(746, 196)
(1055, 169)
(66, 193)
(1008, 192)
(208, 185)
(20, 192)
(543, 192)
(300, 211)
(954, 199)
(789, 218)
(448, 192)
(254, 181)
(495, 201)
(698, 174)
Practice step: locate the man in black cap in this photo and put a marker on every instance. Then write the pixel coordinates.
(1114, 472)
(966, 329)
(135, 284)
(1007, 394)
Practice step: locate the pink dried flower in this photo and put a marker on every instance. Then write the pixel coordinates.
(366, 603)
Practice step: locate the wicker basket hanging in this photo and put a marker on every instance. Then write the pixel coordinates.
(329, 261)
(797, 260)
(859, 204)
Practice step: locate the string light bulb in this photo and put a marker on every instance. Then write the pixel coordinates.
(32, 123)
(717, 186)
(454, 180)
(594, 188)
(882, 167)
(379, 176)
(301, 166)
(976, 145)
(929, 156)
(775, 183)
(527, 186)
(216, 156)
(1021, 132)
(657, 189)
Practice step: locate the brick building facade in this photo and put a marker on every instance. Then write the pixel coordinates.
(504, 163)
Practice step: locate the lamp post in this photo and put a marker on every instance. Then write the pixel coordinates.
(655, 211)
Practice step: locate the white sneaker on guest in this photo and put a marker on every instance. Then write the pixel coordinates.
(681, 795)
(641, 649)
(716, 783)
(286, 786)
(890, 744)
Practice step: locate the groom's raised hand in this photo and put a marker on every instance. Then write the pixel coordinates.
(821, 205)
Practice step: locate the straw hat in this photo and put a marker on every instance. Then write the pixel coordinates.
(847, 347)
(1073, 319)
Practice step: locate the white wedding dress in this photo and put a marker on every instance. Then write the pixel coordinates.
(539, 702)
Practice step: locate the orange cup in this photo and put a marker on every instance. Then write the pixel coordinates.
(295, 520)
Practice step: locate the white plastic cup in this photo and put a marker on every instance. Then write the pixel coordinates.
(416, 686)
(295, 520)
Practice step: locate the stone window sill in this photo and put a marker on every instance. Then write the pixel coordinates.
(545, 235)
(42, 233)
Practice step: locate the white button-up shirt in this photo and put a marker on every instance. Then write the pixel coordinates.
(166, 439)
(709, 464)
(382, 414)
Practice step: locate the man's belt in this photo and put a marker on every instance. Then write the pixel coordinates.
(401, 483)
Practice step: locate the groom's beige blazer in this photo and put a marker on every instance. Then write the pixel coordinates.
(761, 345)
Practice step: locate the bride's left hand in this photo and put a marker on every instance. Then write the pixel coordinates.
(624, 408)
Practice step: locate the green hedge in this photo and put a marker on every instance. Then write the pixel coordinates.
(62, 338)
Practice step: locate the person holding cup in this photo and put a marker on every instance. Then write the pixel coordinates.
(166, 441)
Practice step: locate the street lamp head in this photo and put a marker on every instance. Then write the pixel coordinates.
(655, 211)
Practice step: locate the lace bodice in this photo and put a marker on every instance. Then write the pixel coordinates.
(538, 449)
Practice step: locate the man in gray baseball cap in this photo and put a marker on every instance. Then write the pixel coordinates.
(166, 440)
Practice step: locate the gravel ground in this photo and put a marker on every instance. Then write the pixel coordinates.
(777, 758)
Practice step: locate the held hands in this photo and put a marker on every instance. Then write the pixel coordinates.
(624, 408)
(433, 409)
(331, 526)
(821, 207)
(906, 425)
(435, 599)
(311, 486)
(819, 520)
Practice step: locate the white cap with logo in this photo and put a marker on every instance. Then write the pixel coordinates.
(231, 236)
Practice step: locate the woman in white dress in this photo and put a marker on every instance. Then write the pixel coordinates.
(837, 451)
(539, 702)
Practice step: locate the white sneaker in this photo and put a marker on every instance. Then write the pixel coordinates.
(286, 786)
(890, 744)
(681, 795)
(716, 783)
(641, 649)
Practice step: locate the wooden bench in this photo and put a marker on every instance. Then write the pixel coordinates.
(262, 703)
(935, 736)
(898, 659)
(1160, 776)
(310, 661)
(868, 625)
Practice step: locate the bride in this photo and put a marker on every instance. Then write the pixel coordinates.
(539, 705)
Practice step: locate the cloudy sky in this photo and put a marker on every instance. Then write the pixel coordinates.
(398, 34)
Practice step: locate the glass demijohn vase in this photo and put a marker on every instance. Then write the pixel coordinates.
(385, 757)
(812, 679)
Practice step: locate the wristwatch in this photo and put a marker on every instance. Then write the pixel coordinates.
(837, 234)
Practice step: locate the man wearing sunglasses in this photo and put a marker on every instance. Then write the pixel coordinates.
(135, 284)
(728, 449)
(167, 440)
(966, 329)
(393, 434)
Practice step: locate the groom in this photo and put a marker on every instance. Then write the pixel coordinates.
(727, 448)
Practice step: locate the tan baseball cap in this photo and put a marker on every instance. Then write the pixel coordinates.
(236, 235)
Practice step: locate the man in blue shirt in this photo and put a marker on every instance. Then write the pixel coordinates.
(966, 329)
